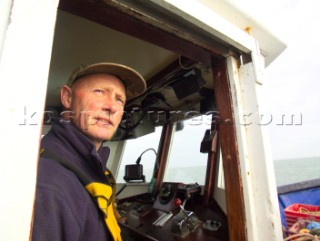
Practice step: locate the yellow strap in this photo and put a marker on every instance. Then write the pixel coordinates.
(103, 194)
(113, 182)
(110, 177)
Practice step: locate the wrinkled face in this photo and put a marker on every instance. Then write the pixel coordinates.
(96, 104)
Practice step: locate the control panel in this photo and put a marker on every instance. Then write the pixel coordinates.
(176, 212)
(169, 192)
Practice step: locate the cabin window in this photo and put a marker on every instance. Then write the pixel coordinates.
(221, 183)
(185, 162)
(134, 148)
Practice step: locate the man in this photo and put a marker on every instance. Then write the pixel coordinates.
(73, 194)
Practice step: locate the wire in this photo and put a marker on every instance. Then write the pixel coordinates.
(149, 149)
(123, 187)
(183, 67)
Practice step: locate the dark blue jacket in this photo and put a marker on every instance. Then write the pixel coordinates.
(64, 210)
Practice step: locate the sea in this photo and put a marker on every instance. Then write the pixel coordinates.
(288, 171)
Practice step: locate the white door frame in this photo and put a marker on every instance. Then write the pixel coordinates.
(26, 43)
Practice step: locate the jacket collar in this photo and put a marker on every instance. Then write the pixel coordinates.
(74, 141)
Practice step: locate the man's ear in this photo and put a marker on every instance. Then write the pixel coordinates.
(66, 96)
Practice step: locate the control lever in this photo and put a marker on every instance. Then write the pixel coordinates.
(184, 222)
(177, 203)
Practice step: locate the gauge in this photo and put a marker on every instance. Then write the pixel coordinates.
(165, 194)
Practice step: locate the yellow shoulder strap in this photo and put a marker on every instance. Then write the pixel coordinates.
(103, 194)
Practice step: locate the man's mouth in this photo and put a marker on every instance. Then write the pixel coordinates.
(104, 121)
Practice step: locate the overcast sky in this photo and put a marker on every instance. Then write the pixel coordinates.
(292, 81)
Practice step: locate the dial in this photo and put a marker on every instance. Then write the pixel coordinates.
(165, 194)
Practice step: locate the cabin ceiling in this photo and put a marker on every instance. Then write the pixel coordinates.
(162, 48)
(136, 33)
(79, 41)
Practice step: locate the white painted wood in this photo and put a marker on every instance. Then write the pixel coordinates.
(115, 157)
(260, 194)
(5, 7)
(24, 67)
(250, 16)
(229, 20)
(131, 189)
(205, 18)
(219, 193)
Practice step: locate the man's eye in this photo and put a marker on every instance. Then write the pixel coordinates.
(98, 91)
(121, 101)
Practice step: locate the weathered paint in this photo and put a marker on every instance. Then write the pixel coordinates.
(24, 67)
(259, 187)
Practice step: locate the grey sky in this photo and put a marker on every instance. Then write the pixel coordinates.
(291, 81)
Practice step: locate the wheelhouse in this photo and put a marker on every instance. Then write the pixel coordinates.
(196, 129)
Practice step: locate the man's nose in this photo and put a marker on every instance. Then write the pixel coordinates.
(109, 105)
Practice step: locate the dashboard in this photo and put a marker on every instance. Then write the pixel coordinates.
(177, 212)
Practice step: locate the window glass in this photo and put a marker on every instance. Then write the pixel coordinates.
(221, 183)
(185, 162)
(134, 148)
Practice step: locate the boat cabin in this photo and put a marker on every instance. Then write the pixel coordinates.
(190, 158)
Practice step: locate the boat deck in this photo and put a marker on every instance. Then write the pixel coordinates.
(307, 192)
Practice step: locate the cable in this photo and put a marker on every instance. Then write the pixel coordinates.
(121, 189)
(149, 149)
(183, 67)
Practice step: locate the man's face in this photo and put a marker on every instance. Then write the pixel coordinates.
(96, 103)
